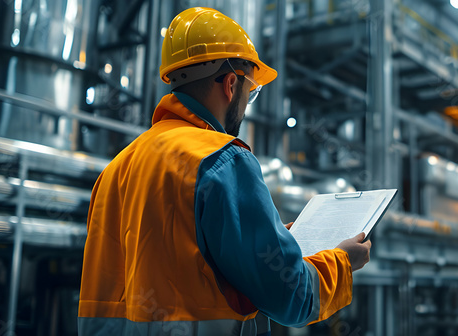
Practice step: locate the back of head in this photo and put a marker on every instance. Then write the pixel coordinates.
(197, 43)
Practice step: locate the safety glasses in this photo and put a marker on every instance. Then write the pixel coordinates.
(257, 88)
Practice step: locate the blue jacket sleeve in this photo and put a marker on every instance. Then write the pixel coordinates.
(240, 232)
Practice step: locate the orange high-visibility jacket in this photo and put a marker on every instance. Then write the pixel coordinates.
(183, 239)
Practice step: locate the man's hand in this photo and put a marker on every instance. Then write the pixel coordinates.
(358, 252)
(288, 226)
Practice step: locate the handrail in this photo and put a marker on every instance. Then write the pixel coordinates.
(433, 29)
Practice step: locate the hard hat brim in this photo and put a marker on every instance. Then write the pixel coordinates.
(265, 74)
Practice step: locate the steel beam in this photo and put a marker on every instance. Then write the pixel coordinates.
(328, 38)
(328, 80)
(128, 16)
(113, 84)
(425, 60)
(345, 57)
(44, 107)
(423, 124)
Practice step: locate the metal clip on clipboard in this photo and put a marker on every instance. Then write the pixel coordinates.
(348, 195)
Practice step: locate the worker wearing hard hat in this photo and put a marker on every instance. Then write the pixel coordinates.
(183, 237)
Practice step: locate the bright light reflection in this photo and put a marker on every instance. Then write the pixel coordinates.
(15, 38)
(69, 29)
(79, 65)
(17, 6)
(341, 183)
(291, 122)
(432, 160)
(454, 3)
(67, 44)
(62, 89)
(275, 164)
(90, 95)
(293, 190)
(450, 166)
(124, 82)
(108, 68)
(163, 31)
(287, 173)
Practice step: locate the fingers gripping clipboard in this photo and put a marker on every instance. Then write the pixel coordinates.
(328, 219)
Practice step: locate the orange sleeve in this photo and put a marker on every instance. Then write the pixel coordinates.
(331, 270)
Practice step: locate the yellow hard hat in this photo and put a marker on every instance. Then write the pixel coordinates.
(200, 34)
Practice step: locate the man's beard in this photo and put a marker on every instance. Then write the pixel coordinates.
(232, 120)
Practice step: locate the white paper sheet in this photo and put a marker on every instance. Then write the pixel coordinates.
(327, 220)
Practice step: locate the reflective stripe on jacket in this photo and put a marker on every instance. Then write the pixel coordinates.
(170, 250)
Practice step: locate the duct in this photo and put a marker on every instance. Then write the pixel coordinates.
(42, 232)
(437, 171)
(44, 45)
(45, 196)
(59, 30)
(49, 201)
(419, 225)
(47, 159)
(438, 188)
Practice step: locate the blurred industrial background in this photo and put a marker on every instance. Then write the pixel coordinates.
(366, 98)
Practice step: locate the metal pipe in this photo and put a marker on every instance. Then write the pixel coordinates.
(425, 125)
(17, 250)
(345, 57)
(419, 225)
(44, 107)
(328, 80)
(275, 146)
(413, 163)
(166, 15)
(151, 55)
(50, 159)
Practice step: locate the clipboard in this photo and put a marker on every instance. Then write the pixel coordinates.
(328, 219)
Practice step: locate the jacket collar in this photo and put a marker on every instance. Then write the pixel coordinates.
(188, 108)
(178, 105)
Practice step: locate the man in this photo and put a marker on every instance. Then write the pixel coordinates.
(183, 237)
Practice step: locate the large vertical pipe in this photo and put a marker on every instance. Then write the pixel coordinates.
(275, 144)
(380, 115)
(17, 250)
(166, 15)
(151, 63)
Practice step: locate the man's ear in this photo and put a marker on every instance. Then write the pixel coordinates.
(229, 85)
